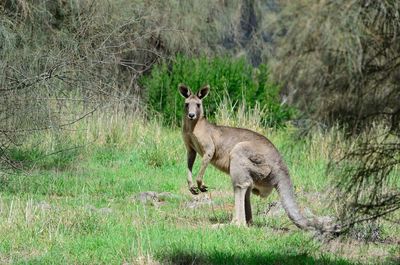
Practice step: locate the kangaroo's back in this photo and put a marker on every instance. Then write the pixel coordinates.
(225, 139)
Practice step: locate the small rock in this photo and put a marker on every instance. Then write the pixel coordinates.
(163, 196)
(153, 198)
(199, 201)
(147, 196)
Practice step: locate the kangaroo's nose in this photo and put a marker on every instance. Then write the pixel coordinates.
(191, 115)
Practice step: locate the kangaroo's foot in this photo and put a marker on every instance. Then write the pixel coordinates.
(194, 190)
(201, 186)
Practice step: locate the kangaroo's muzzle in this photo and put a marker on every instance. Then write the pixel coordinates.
(192, 115)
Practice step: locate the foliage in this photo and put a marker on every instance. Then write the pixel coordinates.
(232, 78)
(340, 62)
(368, 184)
(345, 56)
(63, 60)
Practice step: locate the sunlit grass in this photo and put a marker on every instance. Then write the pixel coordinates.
(86, 211)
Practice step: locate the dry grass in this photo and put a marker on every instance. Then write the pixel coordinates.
(55, 216)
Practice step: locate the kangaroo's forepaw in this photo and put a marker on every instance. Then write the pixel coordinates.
(194, 190)
(203, 188)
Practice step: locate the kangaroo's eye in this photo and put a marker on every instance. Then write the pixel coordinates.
(186, 105)
(198, 105)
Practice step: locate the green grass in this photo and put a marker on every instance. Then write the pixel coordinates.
(86, 213)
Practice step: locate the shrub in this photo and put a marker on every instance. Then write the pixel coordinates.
(228, 77)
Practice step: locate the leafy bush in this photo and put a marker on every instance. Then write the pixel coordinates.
(340, 62)
(228, 77)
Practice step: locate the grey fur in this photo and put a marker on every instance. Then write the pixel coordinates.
(251, 160)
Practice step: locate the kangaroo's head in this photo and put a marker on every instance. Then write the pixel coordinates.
(193, 102)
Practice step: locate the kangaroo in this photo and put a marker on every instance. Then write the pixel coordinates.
(252, 161)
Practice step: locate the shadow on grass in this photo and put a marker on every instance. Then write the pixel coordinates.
(183, 258)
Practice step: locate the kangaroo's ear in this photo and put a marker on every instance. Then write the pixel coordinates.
(203, 92)
(185, 92)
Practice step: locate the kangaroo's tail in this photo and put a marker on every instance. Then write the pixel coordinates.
(286, 194)
(285, 190)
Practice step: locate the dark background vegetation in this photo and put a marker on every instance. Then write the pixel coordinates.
(337, 62)
(232, 79)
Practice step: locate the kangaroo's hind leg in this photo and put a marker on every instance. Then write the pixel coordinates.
(247, 207)
(242, 185)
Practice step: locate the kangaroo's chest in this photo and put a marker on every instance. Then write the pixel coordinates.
(196, 144)
(203, 141)
(220, 158)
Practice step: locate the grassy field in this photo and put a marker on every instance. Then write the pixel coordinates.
(84, 206)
